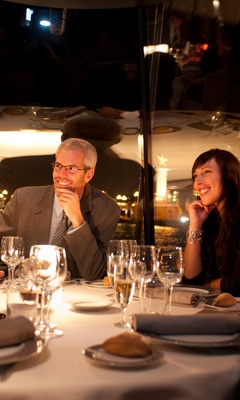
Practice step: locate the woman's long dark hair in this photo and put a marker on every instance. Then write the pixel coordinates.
(227, 241)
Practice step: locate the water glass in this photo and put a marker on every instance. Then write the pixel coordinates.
(152, 297)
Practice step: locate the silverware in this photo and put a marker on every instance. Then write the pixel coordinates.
(207, 298)
(6, 370)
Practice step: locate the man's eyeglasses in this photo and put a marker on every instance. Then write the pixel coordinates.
(71, 169)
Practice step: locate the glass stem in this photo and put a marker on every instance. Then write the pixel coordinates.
(11, 274)
(124, 309)
(48, 297)
(168, 299)
(42, 322)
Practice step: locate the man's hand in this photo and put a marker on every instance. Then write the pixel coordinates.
(69, 201)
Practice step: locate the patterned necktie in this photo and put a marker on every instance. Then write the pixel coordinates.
(60, 231)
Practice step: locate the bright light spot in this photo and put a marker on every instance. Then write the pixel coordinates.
(45, 23)
(29, 13)
(184, 219)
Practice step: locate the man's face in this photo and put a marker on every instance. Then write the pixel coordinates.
(71, 180)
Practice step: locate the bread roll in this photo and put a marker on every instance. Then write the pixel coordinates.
(224, 300)
(127, 345)
(106, 281)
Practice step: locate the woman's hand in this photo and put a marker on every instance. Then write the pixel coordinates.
(198, 213)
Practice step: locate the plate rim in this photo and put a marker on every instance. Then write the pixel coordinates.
(233, 341)
(142, 362)
(91, 308)
(31, 348)
(97, 286)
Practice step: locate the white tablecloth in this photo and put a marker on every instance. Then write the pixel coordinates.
(63, 372)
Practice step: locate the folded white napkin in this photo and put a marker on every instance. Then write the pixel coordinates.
(15, 330)
(200, 323)
(187, 298)
(178, 296)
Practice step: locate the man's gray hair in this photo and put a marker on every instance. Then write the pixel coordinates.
(90, 153)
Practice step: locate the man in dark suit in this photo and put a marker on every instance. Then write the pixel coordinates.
(92, 216)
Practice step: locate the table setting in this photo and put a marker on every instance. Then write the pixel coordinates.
(177, 344)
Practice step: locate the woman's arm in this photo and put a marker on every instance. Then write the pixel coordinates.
(198, 213)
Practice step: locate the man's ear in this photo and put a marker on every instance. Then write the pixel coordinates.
(89, 174)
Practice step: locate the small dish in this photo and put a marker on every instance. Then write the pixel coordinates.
(233, 309)
(98, 284)
(161, 129)
(97, 355)
(89, 305)
(14, 110)
(22, 351)
(194, 289)
(198, 341)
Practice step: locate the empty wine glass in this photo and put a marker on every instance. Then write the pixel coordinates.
(48, 270)
(125, 286)
(50, 329)
(169, 271)
(12, 253)
(215, 120)
(142, 266)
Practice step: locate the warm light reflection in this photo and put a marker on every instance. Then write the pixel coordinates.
(162, 48)
(32, 141)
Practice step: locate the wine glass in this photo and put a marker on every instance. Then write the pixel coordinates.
(50, 330)
(215, 120)
(118, 257)
(170, 271)
(125, 286)
(142, 266)
(12, 253)
(115, 262)
(48, 270)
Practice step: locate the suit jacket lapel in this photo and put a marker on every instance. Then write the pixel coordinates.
(86, 202)
(42, 215)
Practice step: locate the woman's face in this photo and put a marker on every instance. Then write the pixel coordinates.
(207, 181)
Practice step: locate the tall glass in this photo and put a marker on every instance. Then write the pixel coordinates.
(48, 270)
(125, 286)
(118, 258)
(12, 253)
(115, 262)
(142, 266)
(170, 271)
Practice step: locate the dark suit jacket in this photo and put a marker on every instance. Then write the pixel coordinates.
(29, 213)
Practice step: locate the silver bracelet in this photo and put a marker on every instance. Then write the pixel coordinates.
(194, 235)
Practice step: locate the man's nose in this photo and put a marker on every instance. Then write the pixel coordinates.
(63, 171)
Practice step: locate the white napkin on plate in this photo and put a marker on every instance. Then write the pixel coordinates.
(185, 298)
(15, 330)
(200, 323)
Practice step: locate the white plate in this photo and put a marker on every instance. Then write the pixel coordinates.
(233, 309)
(97, 355)
(98, 284)
(90, 305)
(23, 351)
(198, 341)
(194, 289)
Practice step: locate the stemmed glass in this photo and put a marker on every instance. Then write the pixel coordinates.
(215, 120)
(115, 262)
(125, 286)
(118, 257)
(170, 271)
(48, 270)
(142, 266)
(12, 253)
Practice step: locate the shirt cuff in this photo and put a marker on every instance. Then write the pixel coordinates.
(71, 230)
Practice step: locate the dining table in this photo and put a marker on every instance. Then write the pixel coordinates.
(64, 369)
